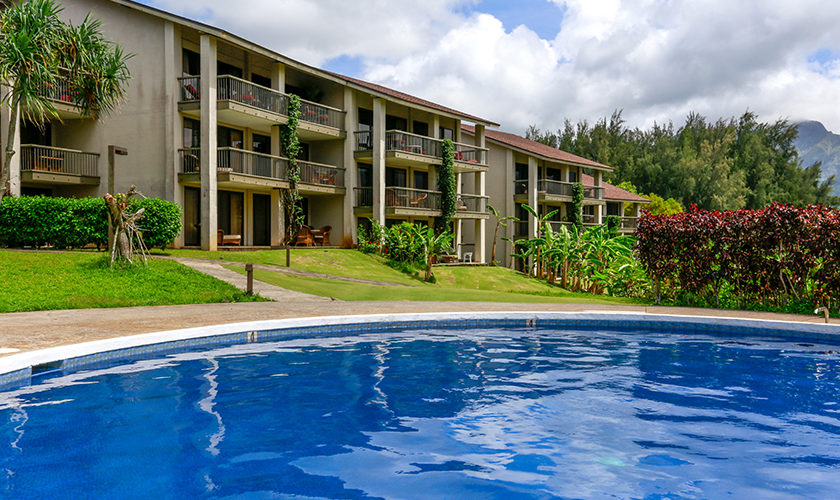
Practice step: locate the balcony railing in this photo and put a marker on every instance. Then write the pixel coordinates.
(317, 173)
(593, 192)
(396, 140)
(58, 160)
(400, 197)
(59, 91)
(230, 88)
(471, 203)
(629, 222)
(557, 188)
(238, 161)
(520, 187)
(322, 115)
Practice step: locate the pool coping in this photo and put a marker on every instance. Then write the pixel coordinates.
(18, 369)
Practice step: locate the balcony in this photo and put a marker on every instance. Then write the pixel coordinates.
(471, 206)
(237, 168)
(556, 191)
(247, 104)
(400, 201)
(628, 224)
(63, 99)
(407, 149)
(51, 165)
(320, 178)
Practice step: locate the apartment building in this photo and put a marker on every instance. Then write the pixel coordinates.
(201, 124)
(525, 172)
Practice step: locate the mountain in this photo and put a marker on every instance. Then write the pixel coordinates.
(814, 144)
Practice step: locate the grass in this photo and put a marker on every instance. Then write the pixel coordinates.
(40, 281)
(467, 284)
(337, 262)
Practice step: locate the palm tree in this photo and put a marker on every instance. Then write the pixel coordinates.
(39, 51)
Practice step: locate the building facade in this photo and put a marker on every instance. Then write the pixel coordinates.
(201, 123)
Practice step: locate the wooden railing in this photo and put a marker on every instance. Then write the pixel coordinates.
(397, 140)
(60, 160)
(238, 161)
(557, 188)
(364, 196)
(593, 192)
(629, 222)
(318, 173)
(472, 203)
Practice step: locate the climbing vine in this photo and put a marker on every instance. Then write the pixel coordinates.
(576, 214)
(291, 147)
(447, 186)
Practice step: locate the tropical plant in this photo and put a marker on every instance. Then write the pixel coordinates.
(38, 52)
(500, 222)
(447, 186)
(576, 213)
(433, 246)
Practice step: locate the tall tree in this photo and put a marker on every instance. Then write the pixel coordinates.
(38, 51)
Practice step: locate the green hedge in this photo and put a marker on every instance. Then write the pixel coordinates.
(76, 222)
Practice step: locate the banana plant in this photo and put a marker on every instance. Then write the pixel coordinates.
(500, 222)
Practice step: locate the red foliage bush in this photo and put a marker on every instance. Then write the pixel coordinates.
(773, 256)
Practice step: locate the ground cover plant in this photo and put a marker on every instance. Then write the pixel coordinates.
(776, 258)
(47, 280)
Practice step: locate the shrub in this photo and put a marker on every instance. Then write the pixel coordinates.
(75, 222)
(161, 222)
(775, 258)
(613, 222)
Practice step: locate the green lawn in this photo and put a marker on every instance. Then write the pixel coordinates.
(338, 262)
(53, 280)
(469, 284)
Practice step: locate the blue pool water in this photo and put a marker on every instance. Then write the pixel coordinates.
(438, 414)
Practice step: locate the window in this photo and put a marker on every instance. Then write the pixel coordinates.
(261, 144)
(191, 63)
(572, 176)
(223, 68)
(192, 133)
(447, 133)
(521, 173)
(32, 134)
(365, 119)
(420, 128)
(229, 138)
(553, 174)
(365, 176)
(421, 179)
(395, 177)
(396, 123)
(261, 80)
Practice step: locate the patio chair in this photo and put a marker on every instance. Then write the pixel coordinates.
(419, 200)
(304, 237)
(322, 237)
(228, 239)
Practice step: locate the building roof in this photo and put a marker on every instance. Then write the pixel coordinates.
(614, 192)
(342, 79)
(538, 149)
(412, 99)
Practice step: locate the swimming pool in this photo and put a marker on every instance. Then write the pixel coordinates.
(521, 409)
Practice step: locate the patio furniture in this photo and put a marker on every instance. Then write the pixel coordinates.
(419, 200)
(322, 236)
(304, 237)
(468, 257)
(228, 239)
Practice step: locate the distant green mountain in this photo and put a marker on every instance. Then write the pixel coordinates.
(815, 143)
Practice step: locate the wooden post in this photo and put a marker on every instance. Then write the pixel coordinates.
(249, 271)
(288, 256)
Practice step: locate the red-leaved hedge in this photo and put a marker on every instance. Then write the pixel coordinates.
(772, 257)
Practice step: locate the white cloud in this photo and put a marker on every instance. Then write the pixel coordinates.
(656, 59)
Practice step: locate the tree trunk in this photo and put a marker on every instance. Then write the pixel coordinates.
(10, 151)
(493, 253)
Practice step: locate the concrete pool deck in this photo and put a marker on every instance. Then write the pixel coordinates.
(27, 331)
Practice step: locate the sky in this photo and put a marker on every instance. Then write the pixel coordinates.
(524, 62)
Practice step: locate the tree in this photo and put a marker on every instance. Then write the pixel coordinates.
(39, 51)
(500, 222)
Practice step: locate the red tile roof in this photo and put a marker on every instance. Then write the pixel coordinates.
(410, 98)
(613, 192)
(538, 148)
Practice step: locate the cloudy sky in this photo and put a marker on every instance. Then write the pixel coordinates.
(521, 62)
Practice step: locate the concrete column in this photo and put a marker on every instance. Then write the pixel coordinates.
(278, 77)
(379, 160)
(351, 172)
(480, 142)
(457, 131)
(599, 214)
(248, 218)
(504, 248)
(459, 228)
(173, 127)
(278, 218)
(435, 127)
(622, 205)
(14, 164)
(209, 144)
(480, 254)
(532, 196)
(637, 209)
